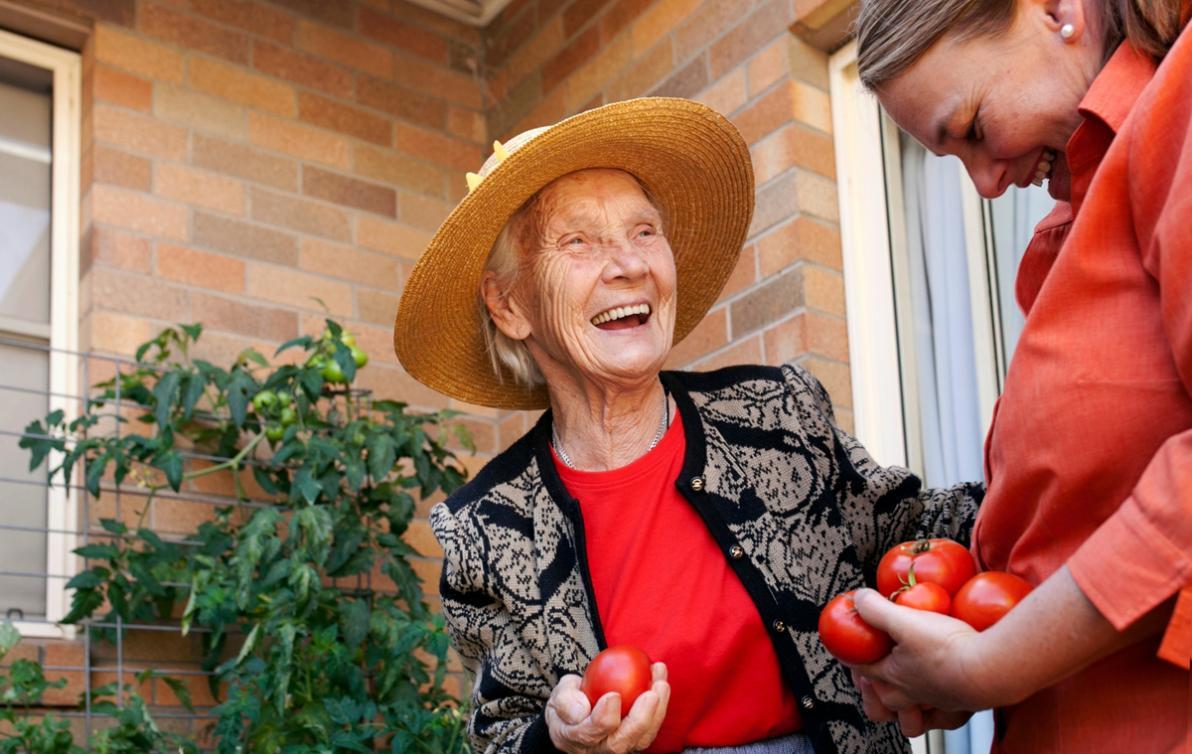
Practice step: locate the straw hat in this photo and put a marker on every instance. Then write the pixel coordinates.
(691, 159)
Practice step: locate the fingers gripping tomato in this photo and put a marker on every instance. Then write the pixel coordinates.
(987, 597)
(847, 636)
(936, 561)
(923, 595)
(623, 669)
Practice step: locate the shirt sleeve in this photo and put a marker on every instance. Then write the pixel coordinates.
(508, 698)
(1150, 535)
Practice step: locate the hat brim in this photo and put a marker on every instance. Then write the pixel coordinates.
(690, 158)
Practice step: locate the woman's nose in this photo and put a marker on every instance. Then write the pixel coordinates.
(991, 177)
(623, 260)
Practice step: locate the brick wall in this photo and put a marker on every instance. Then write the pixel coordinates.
(243, 157)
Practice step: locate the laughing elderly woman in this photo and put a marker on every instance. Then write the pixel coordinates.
(704, 518)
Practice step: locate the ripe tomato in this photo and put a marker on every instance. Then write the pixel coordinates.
(987, 597)
(847, 636)
(937, 561)
(622, 669)
(924, 595)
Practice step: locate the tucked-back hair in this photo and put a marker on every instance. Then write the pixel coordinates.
(893, 34)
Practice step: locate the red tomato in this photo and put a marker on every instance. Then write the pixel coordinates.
(847, 636)
(924, 595)
(937, 561)
(987, 597)
(622, 669)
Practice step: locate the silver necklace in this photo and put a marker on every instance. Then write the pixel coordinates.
(663, 424)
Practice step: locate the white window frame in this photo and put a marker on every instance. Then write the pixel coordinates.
(62, 333)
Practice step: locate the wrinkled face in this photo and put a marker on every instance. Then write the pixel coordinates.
(1006, 105)
(596, 290)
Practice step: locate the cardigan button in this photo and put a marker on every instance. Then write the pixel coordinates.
(736, 552)
(807, 702)
(778, 626)
(697, 484)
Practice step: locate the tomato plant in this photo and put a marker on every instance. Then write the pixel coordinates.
(847, 636)
(624, 670)
(986, 597)
(937, 561)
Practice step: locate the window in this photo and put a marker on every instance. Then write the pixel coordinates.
(929, 273)
(39, 148)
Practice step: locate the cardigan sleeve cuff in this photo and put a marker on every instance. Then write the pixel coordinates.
(1127, 567)
(537, 737)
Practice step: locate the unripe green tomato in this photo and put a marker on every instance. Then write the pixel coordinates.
(347, 338)
(263, 400)
(318, 361)
(288, 416)
(274, 432)
(333, 372)
(358, 438)
(285, 399)
(359, 356)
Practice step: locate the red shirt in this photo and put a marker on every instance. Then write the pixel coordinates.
(663, 585)
(1089, 459)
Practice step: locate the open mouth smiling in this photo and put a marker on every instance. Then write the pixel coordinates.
(622, 317)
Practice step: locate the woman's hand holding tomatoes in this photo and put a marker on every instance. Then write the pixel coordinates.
(576, 725)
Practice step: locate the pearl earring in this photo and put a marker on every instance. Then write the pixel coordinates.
(1067, 31)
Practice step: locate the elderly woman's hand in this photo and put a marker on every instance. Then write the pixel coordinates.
(576, 727)
(915, 720)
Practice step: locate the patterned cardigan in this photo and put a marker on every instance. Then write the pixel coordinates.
(799, 509)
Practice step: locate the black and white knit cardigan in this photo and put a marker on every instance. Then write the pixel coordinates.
(799, 509)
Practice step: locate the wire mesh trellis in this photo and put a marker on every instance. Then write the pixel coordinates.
(54, 519)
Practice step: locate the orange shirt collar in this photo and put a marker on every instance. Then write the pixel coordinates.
(1117, 86)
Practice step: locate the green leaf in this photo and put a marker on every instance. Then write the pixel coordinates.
(89, 579)
(307, 486)
(113, 526)
(239, 388)
(195, 384)
(253, 355)
(194, 331)
(95, 471)
(250, 643)
(9, 637)
(165, 392)
(382, 453)
(98, 551)
(354, 616)
(180, 690)
(305, 341)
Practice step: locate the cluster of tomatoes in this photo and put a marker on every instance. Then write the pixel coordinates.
(323, 358)
(937, 575)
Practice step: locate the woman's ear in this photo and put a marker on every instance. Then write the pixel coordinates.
(506, 313)
(1064, 17)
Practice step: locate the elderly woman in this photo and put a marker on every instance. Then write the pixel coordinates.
(704, 518)
(1089, 460)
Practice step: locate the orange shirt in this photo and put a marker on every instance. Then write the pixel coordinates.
(663, 584)
(1089, 459)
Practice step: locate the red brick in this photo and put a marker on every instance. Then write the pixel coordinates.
(803, 238)
(727, 95)
(744, 273)
(573, 54)
(769, 66)
(299, 214)
(508, 32)
(298, 140)
(350, 192)
(437, 147)
(423, 212)
(349, 263)
(199, 188)
(107, 332)
(453, 86)
(337, 14)
(214, 271)
(403, 103)
(120, 88)
(764, 115)
(245, 239)
(437, 22)
(135, 211)
(353, 121)
(391, 238)
(590, 79)
(466, 124)
(823, 289)
(299, 289)
(249, 15)
(776, 201)
(699, 29)
(793, 146)
(659, 21)
(692, 78)
(817, 196)
(138, 295)
(138, 133)
(769, 302)
(835, 378)
(394, 33)
(376, 306)
(132, 53)
(769, 21)
(236, 316)
(786, 340)
(645, 73)
(244, 162)
(827, 335)
(302, 69)
(531, 56)
(120, 168)
(619, 16)
(710, 334)
(579, 13)
(396, 168)
(192, 33)
(344, 47)
(249, 89)
(748, 351)
(115, 249)
(200, 112)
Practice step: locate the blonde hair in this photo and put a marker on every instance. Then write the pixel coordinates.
(893, 34)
